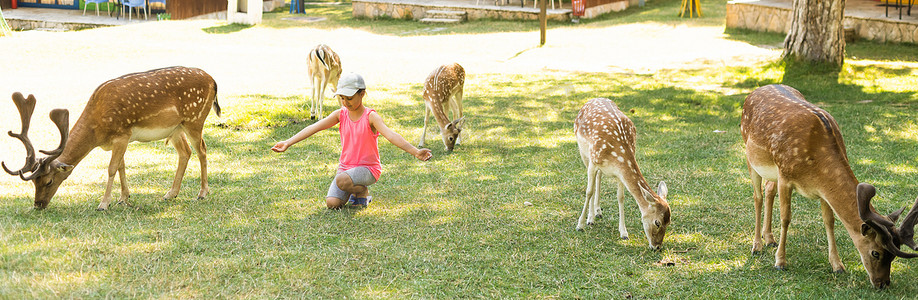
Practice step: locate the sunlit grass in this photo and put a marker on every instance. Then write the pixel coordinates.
(457, 226)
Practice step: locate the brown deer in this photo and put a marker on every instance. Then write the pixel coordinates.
(605, 137)
(169, 103)
(443, 91)
(324, 69)
(799, 147)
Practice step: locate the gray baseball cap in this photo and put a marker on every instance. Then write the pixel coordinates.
(349, 84)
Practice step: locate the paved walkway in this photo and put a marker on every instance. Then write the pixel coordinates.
(63, 68)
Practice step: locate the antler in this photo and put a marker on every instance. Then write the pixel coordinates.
(61, 118)
(25, 107)
(892, 237)
(907, 230)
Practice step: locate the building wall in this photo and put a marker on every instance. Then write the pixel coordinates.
(184, 9)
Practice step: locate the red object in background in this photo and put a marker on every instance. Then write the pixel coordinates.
(15, 4)
(578, 7)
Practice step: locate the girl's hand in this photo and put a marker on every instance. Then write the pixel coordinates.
(280, 146)
(424, 154)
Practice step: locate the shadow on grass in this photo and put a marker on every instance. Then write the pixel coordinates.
(451, 225)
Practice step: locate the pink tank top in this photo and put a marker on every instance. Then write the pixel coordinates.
(358, 143)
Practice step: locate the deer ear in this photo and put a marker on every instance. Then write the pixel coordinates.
(864, 229)
(460, 122)
(648, 196)
(662, 190)
(61, 167)
(448, 126)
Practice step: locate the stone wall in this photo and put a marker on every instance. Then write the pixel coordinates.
(592, 12)
(372, 9)
(777, 19)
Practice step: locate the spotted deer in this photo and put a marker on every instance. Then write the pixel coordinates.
(324, 69)
(169, 103)
(442, 92)
(605, 137)
(798, 146)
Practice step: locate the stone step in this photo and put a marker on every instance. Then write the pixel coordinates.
(440, 20)
(447, 14)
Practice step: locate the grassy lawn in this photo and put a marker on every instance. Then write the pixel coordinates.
(456, 226)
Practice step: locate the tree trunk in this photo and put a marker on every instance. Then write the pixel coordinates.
(816, 32)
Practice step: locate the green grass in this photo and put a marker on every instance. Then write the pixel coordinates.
(456, 226)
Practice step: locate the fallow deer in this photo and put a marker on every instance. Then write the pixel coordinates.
(169, 103)
(324, 69)
(606, 139)
(442, 92)
(799, 147)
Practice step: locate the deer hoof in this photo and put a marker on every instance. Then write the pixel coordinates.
(840, 271)
(772, 244)
(200, 197)
(781, 268)
(624, 237)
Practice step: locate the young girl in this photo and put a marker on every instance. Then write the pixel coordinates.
(359, 127)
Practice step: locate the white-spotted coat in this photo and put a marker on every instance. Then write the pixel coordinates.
(797, 146)
(442, 92)
(169, 103)
(606, 139)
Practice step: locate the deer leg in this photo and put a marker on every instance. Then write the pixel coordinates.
(591, 173)
(458, 107)
(784, 196)
(118, 149)
(197, 140)
(597, 209)
(184, 153)
(757, 204)
(125, 192)
(622, 230)
(312, 100)
(424, 132)
(769, 197)
(828, 217)
(321, 96)
(594, 200)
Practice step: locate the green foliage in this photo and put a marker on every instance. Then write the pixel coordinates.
(228, 28)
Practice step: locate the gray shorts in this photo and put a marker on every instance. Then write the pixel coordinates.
(359, 175)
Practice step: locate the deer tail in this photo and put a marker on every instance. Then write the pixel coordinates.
(320, 54)
(216, 104)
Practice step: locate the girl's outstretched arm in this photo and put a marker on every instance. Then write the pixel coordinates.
(320, 125)
(396, 139)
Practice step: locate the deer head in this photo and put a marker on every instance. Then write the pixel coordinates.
(46, 173)
(656, 217)
(883, 237)
(451, 133)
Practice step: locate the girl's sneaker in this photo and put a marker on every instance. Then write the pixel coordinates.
(359, 202)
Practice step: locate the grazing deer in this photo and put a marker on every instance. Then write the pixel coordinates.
(443, 91)
(799, 147)
(606, 138)
(324, 68)
(170, 103)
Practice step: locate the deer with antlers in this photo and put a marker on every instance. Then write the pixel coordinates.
(799, 147)
(324, 69)
(169, 103)
(606, 139)
(442, 93)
